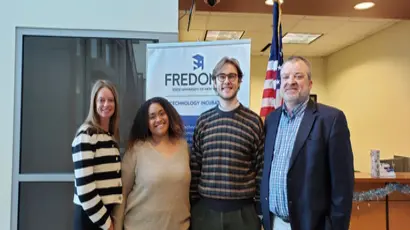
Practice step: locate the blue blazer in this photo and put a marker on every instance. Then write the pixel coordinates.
(320, 180)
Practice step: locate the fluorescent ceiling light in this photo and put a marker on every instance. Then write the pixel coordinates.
(270, 2)
(364, 5)
(299, 38)
(213, 35)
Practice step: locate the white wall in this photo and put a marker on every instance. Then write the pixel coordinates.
(132, 15)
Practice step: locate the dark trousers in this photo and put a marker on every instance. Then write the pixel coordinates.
(204, 218)
(83, 222)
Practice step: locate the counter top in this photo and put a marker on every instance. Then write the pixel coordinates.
(401, 177)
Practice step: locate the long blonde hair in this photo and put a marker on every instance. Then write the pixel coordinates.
(93, 119)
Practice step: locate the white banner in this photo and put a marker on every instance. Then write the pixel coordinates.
(181, 73)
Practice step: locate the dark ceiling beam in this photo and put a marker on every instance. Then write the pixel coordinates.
(387, 9)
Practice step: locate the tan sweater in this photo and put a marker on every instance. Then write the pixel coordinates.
(155, 190)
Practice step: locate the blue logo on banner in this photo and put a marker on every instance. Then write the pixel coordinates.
(198, 61)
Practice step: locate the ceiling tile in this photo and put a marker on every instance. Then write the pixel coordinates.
(357, 19)
(290, 49)
(264, 37)
(259, 40)
(198, 22)
(192, 35)
(338, 32)
(260, 23)
(324, 18)
(317, 26)
(237, 22)
(359, 27)
(288, 26)
(289, 17)
(327, 40)
(318, 48)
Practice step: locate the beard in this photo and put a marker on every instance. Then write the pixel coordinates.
(295, 98)
(292, 98)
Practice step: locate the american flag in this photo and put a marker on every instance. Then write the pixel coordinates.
(271, 98)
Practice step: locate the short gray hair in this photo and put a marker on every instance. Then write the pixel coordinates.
(227, 60)
(304, 60)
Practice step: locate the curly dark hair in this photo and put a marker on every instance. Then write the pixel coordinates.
(140, 128)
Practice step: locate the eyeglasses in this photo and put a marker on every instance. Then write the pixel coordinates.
(231, 77)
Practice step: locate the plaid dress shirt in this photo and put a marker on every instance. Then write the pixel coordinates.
(285, 139)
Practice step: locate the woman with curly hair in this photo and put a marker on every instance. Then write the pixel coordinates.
(155, 171)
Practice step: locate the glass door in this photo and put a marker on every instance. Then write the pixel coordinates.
(55, 72)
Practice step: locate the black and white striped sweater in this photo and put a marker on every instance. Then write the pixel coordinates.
(97, 171)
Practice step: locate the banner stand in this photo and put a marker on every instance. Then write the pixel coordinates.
(182, 73)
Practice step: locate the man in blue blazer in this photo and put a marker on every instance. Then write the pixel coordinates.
(308, 174)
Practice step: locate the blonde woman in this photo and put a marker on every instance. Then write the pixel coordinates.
(156, 172)
(97, 163)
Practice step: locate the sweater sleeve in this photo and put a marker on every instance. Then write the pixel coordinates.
(260, 140)
(195, 163)
(128, 165)
(83, 152)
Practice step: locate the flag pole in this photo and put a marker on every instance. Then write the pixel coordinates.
(271, 98)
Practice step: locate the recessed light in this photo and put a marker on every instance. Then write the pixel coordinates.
(213, 35)
(270, 2)
(364, 5)
(299, 38)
